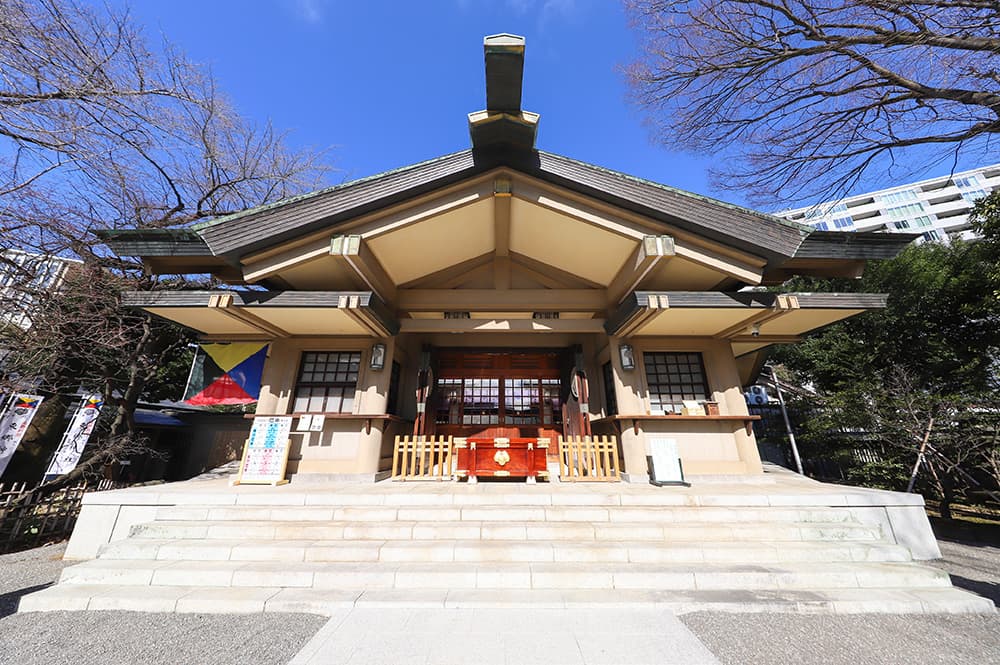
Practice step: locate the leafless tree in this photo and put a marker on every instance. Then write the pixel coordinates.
(102, 129)
(802, 97)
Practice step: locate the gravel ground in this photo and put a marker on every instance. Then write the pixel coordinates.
(867, 639)
(974, 567)
(129, 638)
(24, 572)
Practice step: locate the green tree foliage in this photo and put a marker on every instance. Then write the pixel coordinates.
(940, 323)
(933, 352)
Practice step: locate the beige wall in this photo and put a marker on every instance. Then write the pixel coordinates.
(343, 447)
(706, 447)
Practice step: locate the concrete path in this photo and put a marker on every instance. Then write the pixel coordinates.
(620, 636)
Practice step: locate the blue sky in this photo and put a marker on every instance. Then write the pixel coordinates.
(384, 84)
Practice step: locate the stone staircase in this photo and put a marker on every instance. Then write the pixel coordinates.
(538, 547)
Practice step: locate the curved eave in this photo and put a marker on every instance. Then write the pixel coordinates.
(749, 320)
(852, 245)
(270, 314)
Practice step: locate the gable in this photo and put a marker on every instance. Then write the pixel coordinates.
(504, 230)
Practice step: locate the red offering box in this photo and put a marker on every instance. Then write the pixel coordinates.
(501, 458)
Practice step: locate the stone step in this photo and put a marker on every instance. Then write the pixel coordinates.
(498, 551)
(555, 575)
(511, 530)
(328, 601)
(501, 513)
(709, 495)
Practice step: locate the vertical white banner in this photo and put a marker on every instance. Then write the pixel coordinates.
(76, 437)
(14, 423)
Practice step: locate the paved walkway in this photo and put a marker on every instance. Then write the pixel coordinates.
(504, 637)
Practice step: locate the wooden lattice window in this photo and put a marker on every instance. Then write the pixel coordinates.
(498, 388)
(327, 382)
(674, 378)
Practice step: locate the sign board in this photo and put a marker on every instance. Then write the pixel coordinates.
(14, 423)
(75, 438)
(265, 454)
(665, 462)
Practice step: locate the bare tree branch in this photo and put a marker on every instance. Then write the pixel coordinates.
(800, 98)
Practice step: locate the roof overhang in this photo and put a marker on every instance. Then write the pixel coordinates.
(748, 320)
(270, 314)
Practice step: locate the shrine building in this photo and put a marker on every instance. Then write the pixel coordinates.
(504, 292)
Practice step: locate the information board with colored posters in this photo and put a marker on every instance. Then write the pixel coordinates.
(265, 455)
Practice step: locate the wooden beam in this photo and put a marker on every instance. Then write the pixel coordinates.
(642, 316)
(643, 259)
(272, 264)
(352, 307)
(766, 339)
(554, 272)
(439, 203)
(514, 300)
(223, 302)
(502, 273)
(483, 272)
(501, 233)
(356, 253)
(727, 265)
(590, 326)
(545, 280)
(445, 278)
(782, 305)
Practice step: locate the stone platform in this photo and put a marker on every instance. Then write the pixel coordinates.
(777, 542)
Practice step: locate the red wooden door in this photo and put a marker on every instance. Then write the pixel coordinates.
(489, 394)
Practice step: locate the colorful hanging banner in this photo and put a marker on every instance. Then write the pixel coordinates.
(75, 438)
(14, 424)
(226, 374)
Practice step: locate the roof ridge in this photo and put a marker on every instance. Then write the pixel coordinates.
(320, 192)
(683, 192)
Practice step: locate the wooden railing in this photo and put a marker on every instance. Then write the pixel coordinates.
(422, 458)
(589, 459)
(29, 518)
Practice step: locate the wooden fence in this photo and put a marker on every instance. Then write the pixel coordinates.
(589, 459)
(29, 519)
(422, 458)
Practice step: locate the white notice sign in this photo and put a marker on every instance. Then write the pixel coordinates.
(666, 461)
(317, 423)
(265, 455)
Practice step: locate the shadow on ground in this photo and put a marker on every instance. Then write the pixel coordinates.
(989, 590)
(10, 600)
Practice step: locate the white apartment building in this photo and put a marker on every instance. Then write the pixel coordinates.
(938, 208)
(22, 276)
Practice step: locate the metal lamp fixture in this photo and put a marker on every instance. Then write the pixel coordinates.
(627, 356)
(378, 356)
